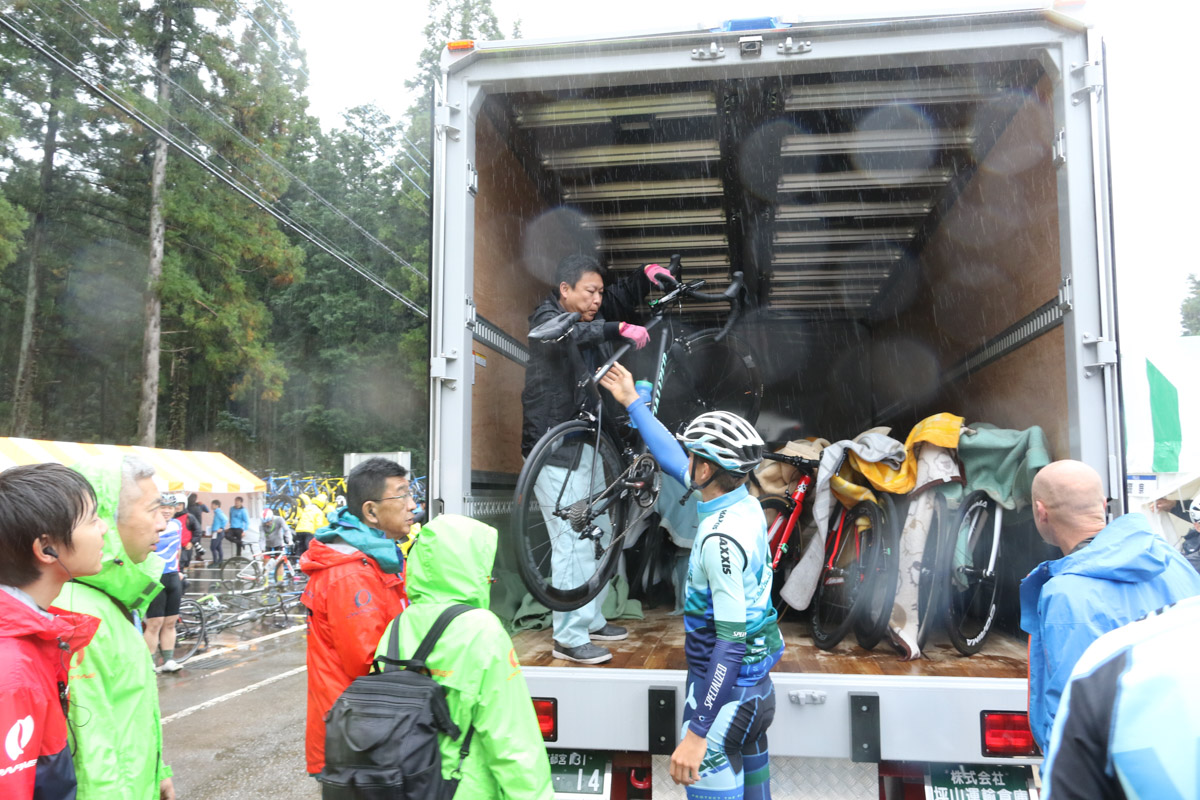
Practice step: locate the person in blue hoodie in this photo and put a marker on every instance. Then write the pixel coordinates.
(1109, 576)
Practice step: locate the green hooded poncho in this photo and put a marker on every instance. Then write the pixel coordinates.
(451, 562)
(117, 732)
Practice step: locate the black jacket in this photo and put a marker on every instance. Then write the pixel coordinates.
(552, 394)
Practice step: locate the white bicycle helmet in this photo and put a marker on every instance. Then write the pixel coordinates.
(725, 439)
(1194, 510)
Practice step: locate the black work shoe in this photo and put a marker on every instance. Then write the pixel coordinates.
(586, 653)
(610, 633)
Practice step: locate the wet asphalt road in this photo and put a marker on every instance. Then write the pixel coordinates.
(223, 745)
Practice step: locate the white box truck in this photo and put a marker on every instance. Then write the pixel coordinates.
(920, 207)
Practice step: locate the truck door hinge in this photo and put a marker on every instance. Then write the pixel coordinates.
(444, 121)
(710, 53)
(789, 47)
(439, 369)
(1089, 79)
(472, 314)
(864, 728)
(1065, 295)
(472, 181)
(661, 732)
(1059, 148)
(1106, 354)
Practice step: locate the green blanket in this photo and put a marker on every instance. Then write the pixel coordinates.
(1001, 462)
(533, 616)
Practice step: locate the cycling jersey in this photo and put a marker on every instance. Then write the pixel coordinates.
(170, 541)
(732, 635)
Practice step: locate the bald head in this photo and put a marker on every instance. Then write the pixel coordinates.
(1068, 503)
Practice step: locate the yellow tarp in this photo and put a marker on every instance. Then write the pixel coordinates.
(940, 429)
(177, 470)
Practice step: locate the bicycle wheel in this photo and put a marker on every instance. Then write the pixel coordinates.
(849, 563)
(930, 604)
(569, 527)
(189, 630)
(973, 585)
(283, 505)
(240, 574)
(880, 584)
(702, 374)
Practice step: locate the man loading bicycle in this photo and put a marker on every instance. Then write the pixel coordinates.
(732, 638)
(553, 395)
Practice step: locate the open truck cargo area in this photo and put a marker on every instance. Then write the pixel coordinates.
(920, 210)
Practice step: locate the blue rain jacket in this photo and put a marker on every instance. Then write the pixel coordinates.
(1125, 573)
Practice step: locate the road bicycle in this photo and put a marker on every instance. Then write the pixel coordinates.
(190, 630)
(579, 494)
(273, 567)
(967, 571)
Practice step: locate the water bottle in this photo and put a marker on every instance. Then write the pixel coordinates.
(644, 389)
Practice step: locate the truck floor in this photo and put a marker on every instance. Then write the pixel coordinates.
(656, 642)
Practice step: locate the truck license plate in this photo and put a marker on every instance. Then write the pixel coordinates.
(580, 774)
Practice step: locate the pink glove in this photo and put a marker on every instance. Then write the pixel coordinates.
(654, 272)
(635, 333)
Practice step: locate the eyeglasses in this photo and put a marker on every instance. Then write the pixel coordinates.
(402, 496)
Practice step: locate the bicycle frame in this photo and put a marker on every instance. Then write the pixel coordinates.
(781, 530)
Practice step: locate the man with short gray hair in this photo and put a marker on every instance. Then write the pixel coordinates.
(1111, 574)
(117, 741)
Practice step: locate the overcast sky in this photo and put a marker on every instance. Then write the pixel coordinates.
(362, 51)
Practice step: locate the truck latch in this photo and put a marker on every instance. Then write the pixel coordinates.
(806, 697)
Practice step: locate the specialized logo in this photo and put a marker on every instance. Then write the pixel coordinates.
(725, 567)
(715, 687)
(362, 598)
(18, 738)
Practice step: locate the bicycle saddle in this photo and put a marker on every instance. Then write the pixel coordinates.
(556, 328)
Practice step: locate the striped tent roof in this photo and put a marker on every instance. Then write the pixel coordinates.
(177, 470)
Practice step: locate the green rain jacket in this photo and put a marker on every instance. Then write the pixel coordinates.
(451, 562)
(116, 731)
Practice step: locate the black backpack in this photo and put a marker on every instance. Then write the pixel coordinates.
(381, 736)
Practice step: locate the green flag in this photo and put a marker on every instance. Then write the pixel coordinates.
(1164, 416)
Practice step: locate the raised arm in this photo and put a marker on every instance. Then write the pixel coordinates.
(662, 445)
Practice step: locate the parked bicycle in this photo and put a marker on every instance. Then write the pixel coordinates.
(273, 567)
(578, 478)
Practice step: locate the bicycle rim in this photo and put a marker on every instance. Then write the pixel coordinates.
(703, 374)
(934, 568)
(189, 630)
(570, 466)
(973, 594)
(240, 574)
(839, 587)
(879, 586)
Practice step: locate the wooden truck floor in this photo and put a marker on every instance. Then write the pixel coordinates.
(656, 642)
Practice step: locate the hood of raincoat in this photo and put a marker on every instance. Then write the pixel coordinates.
(1127, 550)
(451, 562)
(135, 585)
(371, 542)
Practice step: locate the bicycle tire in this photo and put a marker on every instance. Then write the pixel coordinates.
(580, 579)
(240, 574)
(972, 595)
(880, 585)
(934, 566)
(283, 505)
(840, 587)
(703, 374)
(189, 630)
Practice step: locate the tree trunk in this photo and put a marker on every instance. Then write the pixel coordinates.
(27, 361)
(177, 429)
(148, 406)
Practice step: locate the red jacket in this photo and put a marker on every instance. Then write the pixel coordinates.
(34, 656)
(350, 601)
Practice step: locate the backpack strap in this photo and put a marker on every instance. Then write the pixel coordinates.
(392, 660)
(451, 785)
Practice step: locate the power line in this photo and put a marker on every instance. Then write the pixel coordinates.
(99, 91)
(265, 156)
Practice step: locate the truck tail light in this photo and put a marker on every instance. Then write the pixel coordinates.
(1006, 734)
(547, 717)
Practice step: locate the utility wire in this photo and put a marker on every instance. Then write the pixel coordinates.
(99, 91)
(266, 157)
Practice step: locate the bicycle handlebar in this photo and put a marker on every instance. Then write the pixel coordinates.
(795, 461)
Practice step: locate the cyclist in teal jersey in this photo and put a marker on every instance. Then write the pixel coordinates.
(732, 637)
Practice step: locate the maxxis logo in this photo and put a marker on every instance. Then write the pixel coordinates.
(18, 738)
